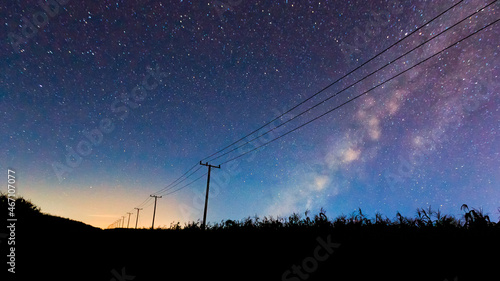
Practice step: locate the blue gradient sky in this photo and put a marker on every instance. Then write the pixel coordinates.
(428, 137)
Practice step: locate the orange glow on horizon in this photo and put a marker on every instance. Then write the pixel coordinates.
(101, 206)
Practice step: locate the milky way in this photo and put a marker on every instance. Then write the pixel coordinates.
(106, 102)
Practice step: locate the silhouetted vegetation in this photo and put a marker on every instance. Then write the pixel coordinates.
(23, 207)
(427, 246)
(424, 219)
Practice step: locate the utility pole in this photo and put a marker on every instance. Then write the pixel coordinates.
(154, 211)
(128, 218)
(206, 195)
(137, 219)
(123, 221)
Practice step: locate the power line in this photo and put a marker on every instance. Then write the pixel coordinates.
(149, 204)
(355, 83)
(171, 185)
(331, 84)
(144, 202)
(179, 182)
(364, 93)
(171, 192)
(168, 187)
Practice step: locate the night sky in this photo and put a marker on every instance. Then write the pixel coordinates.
(106, 102)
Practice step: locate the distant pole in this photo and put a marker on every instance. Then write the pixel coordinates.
(206, 195)
(128, 218)
(123, 221)
(154, 211)
(137, 218)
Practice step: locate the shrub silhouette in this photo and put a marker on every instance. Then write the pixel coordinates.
(23, 207)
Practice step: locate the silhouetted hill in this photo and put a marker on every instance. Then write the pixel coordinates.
(430, 246)
(31, 215)
(56, 222)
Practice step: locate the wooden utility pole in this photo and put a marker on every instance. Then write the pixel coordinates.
(123, 221)
(128, 218)
(154, 211)
(206, 195)
(137, 218)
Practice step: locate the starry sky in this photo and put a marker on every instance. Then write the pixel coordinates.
(106, 102)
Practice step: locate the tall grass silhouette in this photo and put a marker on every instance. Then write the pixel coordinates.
(425, 218)
(429, 245)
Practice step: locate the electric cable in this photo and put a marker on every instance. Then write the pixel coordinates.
(355, 83)
(362, 94)
(336, 81)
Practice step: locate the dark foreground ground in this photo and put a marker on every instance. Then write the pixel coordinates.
(51, 248)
